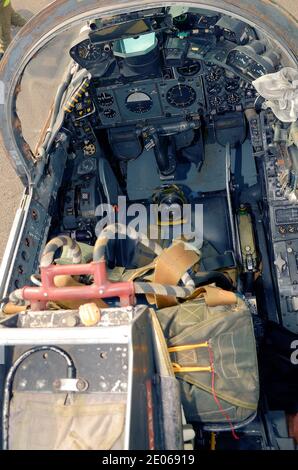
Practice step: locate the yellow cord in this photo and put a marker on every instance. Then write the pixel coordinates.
(188, 347)
(178, 369)
(213, 441)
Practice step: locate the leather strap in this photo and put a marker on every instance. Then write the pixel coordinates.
(133, 274)
(170, 267)
(11, 309)
(214, 296)
(167, 268)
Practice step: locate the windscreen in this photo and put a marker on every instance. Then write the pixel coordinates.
(122, 30)
(39, 84)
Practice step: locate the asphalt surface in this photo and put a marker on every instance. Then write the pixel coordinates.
(10, 187)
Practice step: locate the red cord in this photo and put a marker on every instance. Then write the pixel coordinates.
(227, 417)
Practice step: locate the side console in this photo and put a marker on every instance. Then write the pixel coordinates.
(280, 179)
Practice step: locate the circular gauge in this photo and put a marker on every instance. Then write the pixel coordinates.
(215, 101)
(181, 96)
(220, 55)
(139, 102)
(214, 88)
(233, 98)
(189, 69)
(105, 99)
(87, 166)
(231, 84)
(109, 113)
(89, 149)
(214, 74)
(88, 51)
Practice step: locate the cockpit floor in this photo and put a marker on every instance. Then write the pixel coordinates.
(143, 177)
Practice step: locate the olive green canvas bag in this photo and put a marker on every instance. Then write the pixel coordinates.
(213, 353)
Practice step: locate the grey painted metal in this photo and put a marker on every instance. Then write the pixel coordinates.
(229, 200)
(63, 336)
(13, 244)
(103, 333)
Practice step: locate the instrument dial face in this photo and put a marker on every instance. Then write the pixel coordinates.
(215, 101)
(139, 102)
(181, 96)
(231, 84)
(189, 68)
(105, 99)
(87, 166)
(214, 74)
(88, 51)
(233, 98)
(109, 113)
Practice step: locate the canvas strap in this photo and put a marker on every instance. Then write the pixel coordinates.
(188, 347)
(170, 267)
(214, 296)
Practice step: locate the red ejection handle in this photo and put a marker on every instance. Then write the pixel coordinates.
(102, 288)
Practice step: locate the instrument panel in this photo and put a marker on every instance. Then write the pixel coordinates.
(195, 88)
(201, 65)
(150, 99)
(86, 53)
(192, 88)
(226, 91)
(214, 90)
(282, 221)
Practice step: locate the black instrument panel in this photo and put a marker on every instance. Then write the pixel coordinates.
(147, 99)
(226, 91)
(212, 90)
(184, 72)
